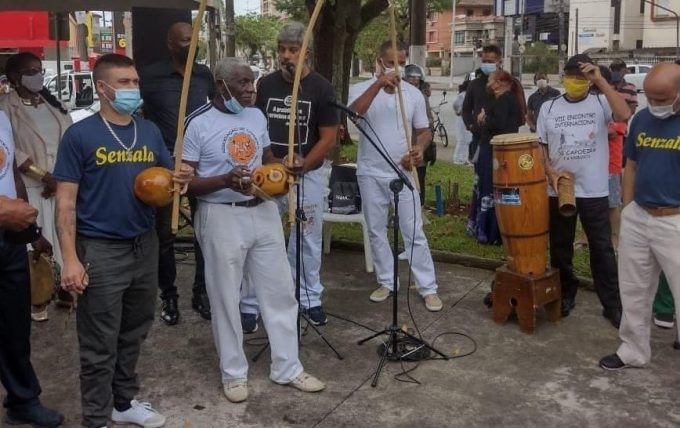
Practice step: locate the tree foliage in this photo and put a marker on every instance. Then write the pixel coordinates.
(256, 34)
(540, 58)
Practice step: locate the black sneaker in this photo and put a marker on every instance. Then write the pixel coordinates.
(38, 416)
(316, 315)
(664, 320)
(676, 345)
(567, 306)
(248, 323)
(612, 362)
(170, 311)
(201, 304)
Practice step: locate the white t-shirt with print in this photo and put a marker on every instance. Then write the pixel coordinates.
(384, 115)
(6, 158)
(577, 140)
(220, 141)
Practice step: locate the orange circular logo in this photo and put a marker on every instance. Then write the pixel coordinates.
(3, 157)
(242, 148)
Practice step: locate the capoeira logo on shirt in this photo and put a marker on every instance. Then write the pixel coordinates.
(241, 146)
(4, 159)
(278, 117)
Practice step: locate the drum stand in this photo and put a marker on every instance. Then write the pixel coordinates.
(400, 344)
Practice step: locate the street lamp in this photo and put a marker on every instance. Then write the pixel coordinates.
(677, 25)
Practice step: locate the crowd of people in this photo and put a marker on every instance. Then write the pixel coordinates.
(75, 182)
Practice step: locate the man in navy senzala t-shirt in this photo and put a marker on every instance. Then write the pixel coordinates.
(108, 242)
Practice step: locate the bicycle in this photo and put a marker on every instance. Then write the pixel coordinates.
(439, 134)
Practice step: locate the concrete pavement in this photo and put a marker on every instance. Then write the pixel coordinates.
(550, 379)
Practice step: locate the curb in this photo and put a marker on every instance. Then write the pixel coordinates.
(454, 258)
(437, 255)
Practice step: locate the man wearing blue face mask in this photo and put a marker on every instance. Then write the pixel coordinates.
(650, 220)
(108, 242)
(241, 234)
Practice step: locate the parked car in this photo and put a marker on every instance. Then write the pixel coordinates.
(77, 89)
(636, 74)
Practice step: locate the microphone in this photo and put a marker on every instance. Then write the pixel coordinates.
(290, 68)
(351, 113)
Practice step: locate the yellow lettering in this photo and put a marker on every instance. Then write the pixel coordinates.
(142, 155)
(676, 144)
(100, 154)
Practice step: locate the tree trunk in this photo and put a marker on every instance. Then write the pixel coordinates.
(335, 35)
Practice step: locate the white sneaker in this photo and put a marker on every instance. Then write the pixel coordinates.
(140, 413)
(433, 303)
(236, 391)
(307, 383)
(380, 294)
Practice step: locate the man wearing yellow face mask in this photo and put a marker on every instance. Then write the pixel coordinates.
(573, 129)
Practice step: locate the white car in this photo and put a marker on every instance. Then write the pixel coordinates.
(636, 74)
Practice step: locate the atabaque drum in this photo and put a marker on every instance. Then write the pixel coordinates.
(521, 200)
(272, 178)
(45, 278)
(154, 185)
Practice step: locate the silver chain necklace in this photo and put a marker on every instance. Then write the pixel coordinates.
(115, 137)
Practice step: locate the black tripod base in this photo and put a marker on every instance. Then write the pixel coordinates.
(318, 332)
(400, 346)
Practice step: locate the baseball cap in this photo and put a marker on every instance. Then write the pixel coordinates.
(413, 70)
(573, 62)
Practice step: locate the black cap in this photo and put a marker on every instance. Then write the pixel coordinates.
(617, 65)
(573, 62)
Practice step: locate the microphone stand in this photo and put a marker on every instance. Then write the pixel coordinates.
(391, 349)
(300, 217)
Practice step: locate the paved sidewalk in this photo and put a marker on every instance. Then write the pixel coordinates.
(550, 379)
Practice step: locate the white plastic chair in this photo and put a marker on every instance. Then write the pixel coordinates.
(330, 218)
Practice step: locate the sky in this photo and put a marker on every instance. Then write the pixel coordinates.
(241, 7)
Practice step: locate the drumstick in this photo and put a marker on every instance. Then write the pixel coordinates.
(179, 139)
(293, 107)
(407, 126)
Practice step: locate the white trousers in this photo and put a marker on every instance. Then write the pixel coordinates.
(247, 243)
(311, 289)
(376, 200)
(647, 245)
(46, 209)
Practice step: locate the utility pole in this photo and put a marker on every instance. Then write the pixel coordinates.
(230, 28)
(418, 49)
(453, 41)
(576, 33)
(521, 39)
(560, 35)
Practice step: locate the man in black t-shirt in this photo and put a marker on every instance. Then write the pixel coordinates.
(544, 92)
(161, 86)
(316, 135)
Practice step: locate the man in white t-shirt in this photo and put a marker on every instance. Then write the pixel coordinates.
(376, 99)
(17, 374)
(241, 236)
(573, 129)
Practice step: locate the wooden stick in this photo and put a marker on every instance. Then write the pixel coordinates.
(404, 121)
(294, 108)
(179, 139)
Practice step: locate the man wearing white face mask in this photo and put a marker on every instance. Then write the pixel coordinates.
(109, 244)
(544, 92)
(241, 235)
(650, 221)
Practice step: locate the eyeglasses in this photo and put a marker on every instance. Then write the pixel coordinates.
(32, 71)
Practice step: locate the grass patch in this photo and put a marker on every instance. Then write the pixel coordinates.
(447, 233)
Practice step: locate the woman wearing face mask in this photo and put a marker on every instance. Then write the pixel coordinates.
(505, 114)
(39, 121)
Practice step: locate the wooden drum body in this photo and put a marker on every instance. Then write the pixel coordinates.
(521, 201)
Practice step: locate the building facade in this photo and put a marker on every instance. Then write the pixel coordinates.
(659, 26)
(268, 8)
(616, 26)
